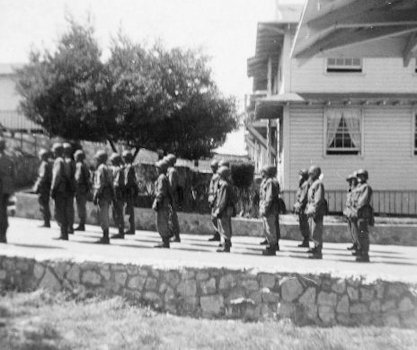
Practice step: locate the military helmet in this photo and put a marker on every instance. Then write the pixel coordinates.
(127, 156)
(57, 147)
(223, 171)
(67, 146)
(171, 159)
(162, 164)
(115, 158)
(214, 164)
(225, 163)
(303, 173)
(43, 153)
(101, 156)
(351, 177)
(362, 172)
(271, 170)
(79, 154)
(315, 171)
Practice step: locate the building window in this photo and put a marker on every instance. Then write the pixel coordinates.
(344, 133)
(344, 65)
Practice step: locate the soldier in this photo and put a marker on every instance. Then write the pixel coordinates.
(363, 213)
(103, 194)
(212, 199)
(224, 208)
(172, 175)
(350, 201)
(82, 188)
(119, 191)
(59, 191)
(300, 206)
(161, 204)
(131, 190)
(43, 185)
(315, 210)
(269, 209)
(70, 173)
(7, 175)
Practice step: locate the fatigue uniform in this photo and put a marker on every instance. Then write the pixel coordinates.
(61, 195)
(42, 188)
(269, 210)
(118, 201)
(70, 174)
(103, 194)
(82, 188)
(7, 175)
(131, 191)
(299, 208)
(362, 212)
(352, 221)
(315, 211)
(172, 175)
(214, 182)
(224, 209)
(161, 205)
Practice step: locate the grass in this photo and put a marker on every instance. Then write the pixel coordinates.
(42, 321)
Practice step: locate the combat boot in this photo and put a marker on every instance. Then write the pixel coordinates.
(363, 258)
(226, 248)
(105, 239)
(304, 244)
(3, 239)
(353, 247)
(80, 227)
(120, 235)
(176, 238)
(316, 254)
(46, 224)
(64, 234)
(264, 242)
(71, 230)
(164, 244)
(215, 238)
(270, 251)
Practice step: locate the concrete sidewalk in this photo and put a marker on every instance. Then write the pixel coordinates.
(26, 239)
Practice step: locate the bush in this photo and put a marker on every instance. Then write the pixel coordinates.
(242, 174)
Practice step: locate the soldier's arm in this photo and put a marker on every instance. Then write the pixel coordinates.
(269, 197)
(222, 203)
(56, 176)
(160, 190)
(363, 198)
(41, 178)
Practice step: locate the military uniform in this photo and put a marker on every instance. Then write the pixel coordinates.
(214, 182)
(315, 211)
(82, 188)
(103, 195)
(131, 191)
(42, 188)
(7, 175)
(161, 205)
(299, 209)
(172, 175)
(118, 201)
(70, 174)
(269, 212)
(352, 222)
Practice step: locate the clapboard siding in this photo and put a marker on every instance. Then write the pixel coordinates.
(385, 75)
(387, 150)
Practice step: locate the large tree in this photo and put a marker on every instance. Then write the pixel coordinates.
(154, 98)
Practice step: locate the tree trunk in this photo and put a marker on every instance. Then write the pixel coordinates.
(112, 145)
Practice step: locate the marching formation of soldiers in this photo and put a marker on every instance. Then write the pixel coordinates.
(67, 180)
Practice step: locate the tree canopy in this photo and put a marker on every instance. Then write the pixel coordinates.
(150, 97)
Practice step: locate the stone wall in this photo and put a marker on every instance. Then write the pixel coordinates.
(224, 293)
(398, 232)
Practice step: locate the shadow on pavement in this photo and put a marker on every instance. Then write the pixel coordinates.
(37, 246)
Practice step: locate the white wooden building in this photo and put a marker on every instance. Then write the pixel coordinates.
(341, 87)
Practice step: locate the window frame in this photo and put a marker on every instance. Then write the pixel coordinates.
(414, 128)
(343, 71)
(360, 152)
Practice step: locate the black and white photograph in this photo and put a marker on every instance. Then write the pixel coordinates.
(208, 174)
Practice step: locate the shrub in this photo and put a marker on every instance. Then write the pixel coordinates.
(242, 174)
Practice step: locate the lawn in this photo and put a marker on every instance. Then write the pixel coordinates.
(44, 321)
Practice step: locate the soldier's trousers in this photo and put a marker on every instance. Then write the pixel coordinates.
(271, 229)
(162, 222)
(81, 200)
(224, 223)
(43, 200)
(303, 224)
(71, 211)
(353, 230)
(103, 213)
(130, 211)
(4, 221)
(118, 217)
(363, 236)
(316, 231)
(173, 219)
(63, 204)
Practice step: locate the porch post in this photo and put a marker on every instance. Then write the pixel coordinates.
(270, 159)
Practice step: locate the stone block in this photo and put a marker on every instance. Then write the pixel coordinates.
(267, 280)
(406, 305)
(367, 294)
(285, 310)
(391, 320)
(395, 290)
(375, 306)
(49, 281)
(208, 287)
(353, 293)
(105, 273)
(326, 314)
(169, 295)
(187, 274)
(227, 282)
(38, 270)
(212, 305)
(120, 278)
(388, 305)
(358, 308)
(329, 299)
(91, 277)
(187, 288)
(291, 288)
(74, 274)
(173, 278)
(256, 297)
(309, 297)
(380, 289)
(339, 286)
(202, 276)
(343, 305)
(250, 285)
(3, 275)
(151, 284)
(136, 283)
(269, 297)
(153, 299)
(235, 293)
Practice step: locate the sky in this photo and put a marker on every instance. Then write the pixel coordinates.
(224, 29)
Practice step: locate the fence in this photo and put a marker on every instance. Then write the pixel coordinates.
(385, 203)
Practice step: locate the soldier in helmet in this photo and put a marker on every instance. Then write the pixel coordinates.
(350, 201)
(224, 208)
(103, 193)
(363, 213)
(119, 192)
(315, 211)
(212, 198)
(82, 188)
(42, 187)
(70, 174)
(172, 175)
(225, 163)
(7, 176)
(131, 190)
(269, 209)
(300, 206)
(59, 191)
(161, 203)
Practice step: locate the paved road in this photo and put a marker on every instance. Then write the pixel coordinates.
(27, 239)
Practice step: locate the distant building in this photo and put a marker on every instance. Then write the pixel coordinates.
(336, 85)
(10, 118)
